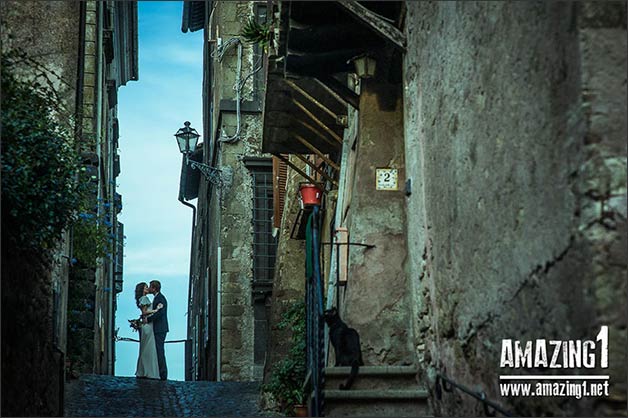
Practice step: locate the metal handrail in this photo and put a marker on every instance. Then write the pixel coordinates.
(137, 341)
(448, 385)
(315, 339)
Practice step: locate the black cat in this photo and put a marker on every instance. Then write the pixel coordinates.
(346, 342)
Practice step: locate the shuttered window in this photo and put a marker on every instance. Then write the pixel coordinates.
(280, 175)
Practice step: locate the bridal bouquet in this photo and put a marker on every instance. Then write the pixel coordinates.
(136, 324)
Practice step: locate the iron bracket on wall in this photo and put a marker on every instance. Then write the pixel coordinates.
(213, 175)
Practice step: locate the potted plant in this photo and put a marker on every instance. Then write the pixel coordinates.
(300, 408)
(288, 374)
(258, 33)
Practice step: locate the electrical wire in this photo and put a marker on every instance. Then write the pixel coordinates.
(239, 85)
(219, 54)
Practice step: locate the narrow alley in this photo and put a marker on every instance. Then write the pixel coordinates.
(342, 208)
(100, 395)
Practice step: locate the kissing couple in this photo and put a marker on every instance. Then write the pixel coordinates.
(151, 363)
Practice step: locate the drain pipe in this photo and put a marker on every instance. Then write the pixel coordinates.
(218, 314)
(189, 280)
(181, 188)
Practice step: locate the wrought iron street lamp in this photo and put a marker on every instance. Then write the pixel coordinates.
(365, 65)
(187, 138)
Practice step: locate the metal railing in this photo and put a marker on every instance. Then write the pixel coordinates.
(315, 326)
(449, 385)
(127, 339)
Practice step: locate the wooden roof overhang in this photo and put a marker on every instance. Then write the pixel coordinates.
(306, 103)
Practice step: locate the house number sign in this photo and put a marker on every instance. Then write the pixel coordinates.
(386, 179)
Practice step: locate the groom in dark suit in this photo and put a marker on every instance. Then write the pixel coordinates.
(160, 326)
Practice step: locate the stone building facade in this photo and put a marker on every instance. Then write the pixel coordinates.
(109, 49)
(506, 125)
(70, 307)
(232, 245)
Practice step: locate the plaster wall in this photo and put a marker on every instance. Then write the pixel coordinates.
(375, 301)
(515, 143)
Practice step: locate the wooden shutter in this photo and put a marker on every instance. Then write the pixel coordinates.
(280, 175)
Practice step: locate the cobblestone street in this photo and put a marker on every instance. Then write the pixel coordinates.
(102, 395)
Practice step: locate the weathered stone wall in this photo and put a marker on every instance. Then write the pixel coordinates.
(515, 144)
(234, 203)
(33, 330)
(32, 372)
(48, 33)
(236, 237)
(602, 183)
(375, 300)
(289, 279)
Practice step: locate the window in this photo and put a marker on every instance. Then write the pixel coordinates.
(280, 177)
(264, 244)
(264, 251)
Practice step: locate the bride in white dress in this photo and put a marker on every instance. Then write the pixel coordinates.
(147, 365)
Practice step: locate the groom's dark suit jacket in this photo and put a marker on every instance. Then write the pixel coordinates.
(160, 318)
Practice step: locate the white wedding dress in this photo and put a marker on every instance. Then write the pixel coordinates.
(147, 365)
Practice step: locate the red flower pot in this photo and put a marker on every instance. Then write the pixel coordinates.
(310, 194)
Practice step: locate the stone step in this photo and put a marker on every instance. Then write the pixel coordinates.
(377, 394)
(377, 402)
(373, 377)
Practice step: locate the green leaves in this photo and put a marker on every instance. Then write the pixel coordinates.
(256, 33)
(288, 374)
(39, 164)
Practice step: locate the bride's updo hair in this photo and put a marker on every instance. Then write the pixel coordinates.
(139, 292)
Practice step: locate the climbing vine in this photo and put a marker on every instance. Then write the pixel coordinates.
(45, 189)
(93, 238)
(39, 163)
(288, 374)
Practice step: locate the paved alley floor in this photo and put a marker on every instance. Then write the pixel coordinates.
(100, 395)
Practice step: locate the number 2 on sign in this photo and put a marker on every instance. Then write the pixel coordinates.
(386, 179)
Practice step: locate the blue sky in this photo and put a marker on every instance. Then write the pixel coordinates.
(157, 226)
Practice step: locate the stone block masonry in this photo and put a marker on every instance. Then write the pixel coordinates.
(32, 375)
(235, 211)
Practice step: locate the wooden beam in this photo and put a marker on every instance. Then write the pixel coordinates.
(318, 170)
(311, 99)
(318, 122)
(375, 22)
(318, 133)
(295, 168)
(339, 91)
(316, 151)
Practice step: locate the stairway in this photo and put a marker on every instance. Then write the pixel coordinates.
(382, 391)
